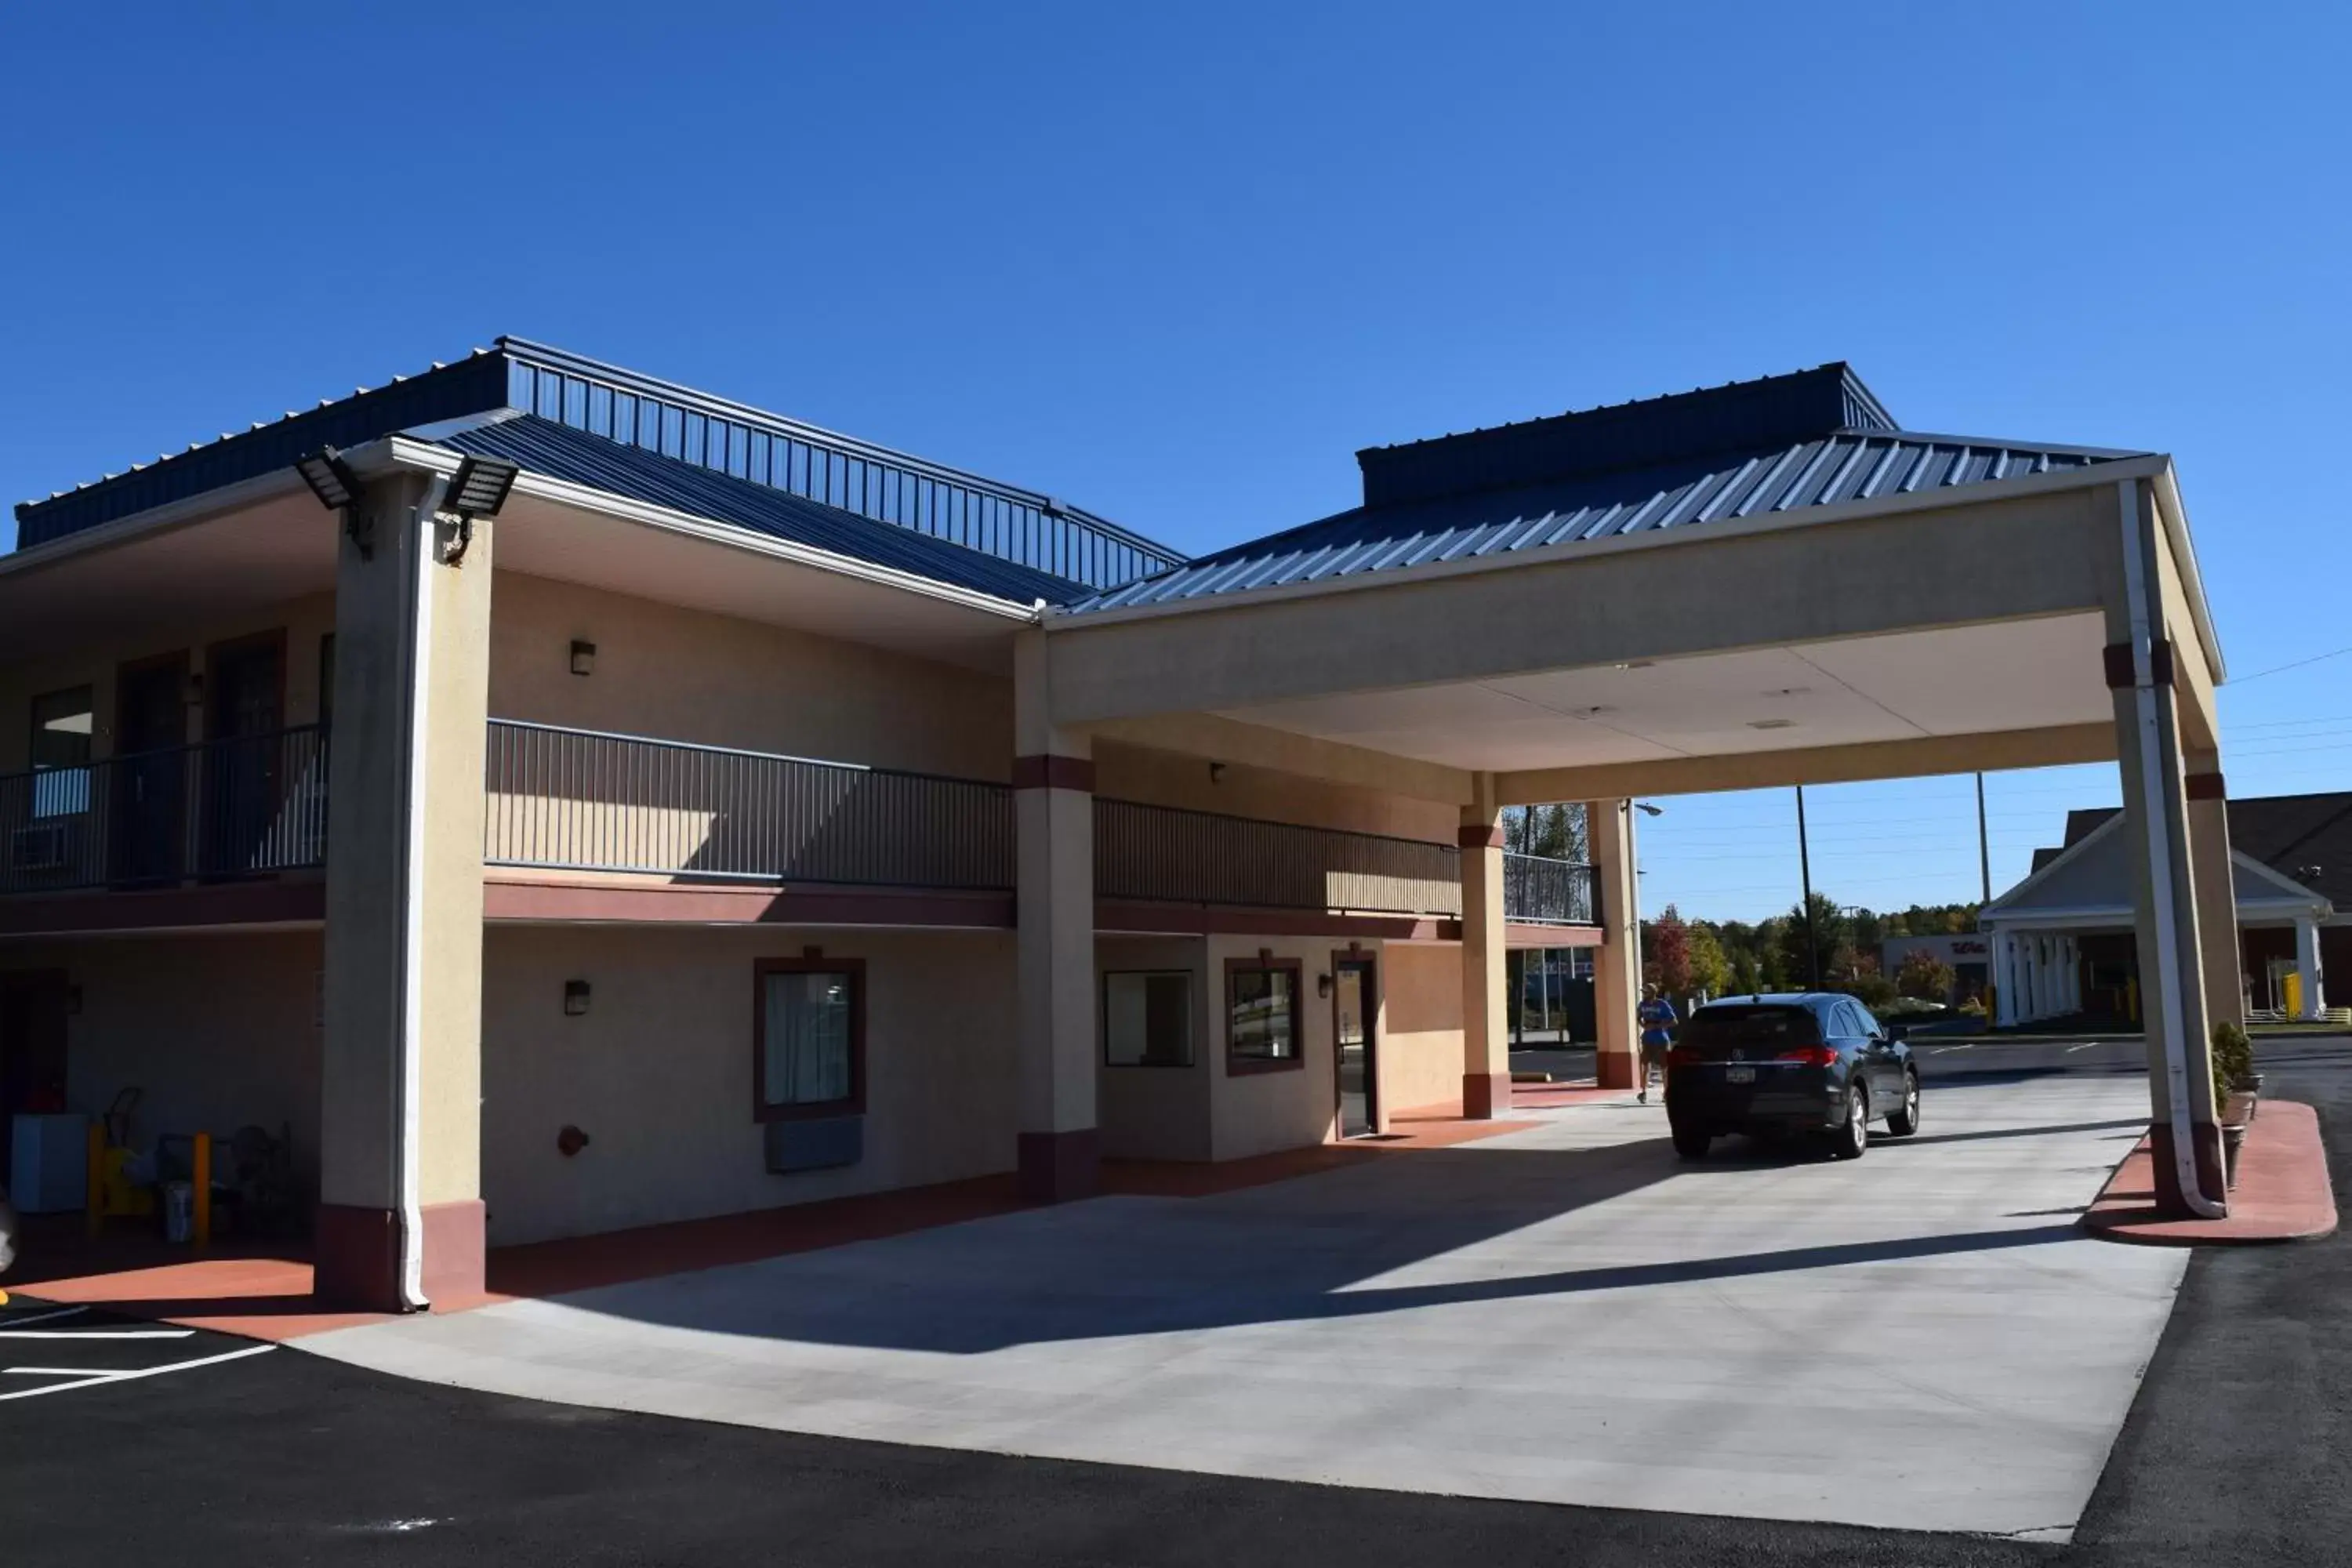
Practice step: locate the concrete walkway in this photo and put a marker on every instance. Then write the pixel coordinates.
(1921, 1339)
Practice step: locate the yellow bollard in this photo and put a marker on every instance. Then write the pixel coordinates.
(2291, 987)
(201, 1177)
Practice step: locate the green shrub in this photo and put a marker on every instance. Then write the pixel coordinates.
(2233, 1058)
(1873, 991)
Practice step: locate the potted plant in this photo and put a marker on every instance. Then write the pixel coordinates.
(2237, 1090)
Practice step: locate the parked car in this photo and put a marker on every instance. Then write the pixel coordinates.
(1812, 1063)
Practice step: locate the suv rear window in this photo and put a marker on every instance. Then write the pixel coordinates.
(1776, 1027)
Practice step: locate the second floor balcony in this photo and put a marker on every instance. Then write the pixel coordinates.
(581, 802)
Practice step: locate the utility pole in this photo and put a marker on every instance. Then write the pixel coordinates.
(1805, 873)
(1984, 846)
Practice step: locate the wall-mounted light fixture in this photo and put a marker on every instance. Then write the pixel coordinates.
(1323, 985)
(1217, 773)
(584, 658)
(575, 998)
(337, 489)
(571, 1141)
(195, 689)
(478, 488)
(73, 1001)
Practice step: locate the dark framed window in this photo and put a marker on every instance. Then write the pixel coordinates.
(808, 1051)
(1147, 1018)
(59, 752)
(1262, 1016)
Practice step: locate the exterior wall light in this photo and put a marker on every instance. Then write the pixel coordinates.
(478, 488)
(584, 658)
(1323, 985)
(338, 489)
(575, 998)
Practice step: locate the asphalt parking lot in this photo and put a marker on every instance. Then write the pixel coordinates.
(2235, 1444)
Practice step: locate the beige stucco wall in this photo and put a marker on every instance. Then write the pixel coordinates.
(1156, 1113)
(658, 1071)
(1256, 1113)
(216, 1031)
(1419, 1044)
(305, 621)
(687, 675)
(1171, 778)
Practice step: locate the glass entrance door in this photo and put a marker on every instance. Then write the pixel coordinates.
(1354, 997)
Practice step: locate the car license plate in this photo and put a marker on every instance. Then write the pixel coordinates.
(1739, 1075)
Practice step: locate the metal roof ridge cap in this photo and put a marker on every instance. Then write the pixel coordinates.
(1990, 443)
(525, 351)
(2057, 479)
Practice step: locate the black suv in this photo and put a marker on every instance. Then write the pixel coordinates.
(1810, 1063)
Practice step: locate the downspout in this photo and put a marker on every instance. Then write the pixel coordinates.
(2136, 594)
(412, 931)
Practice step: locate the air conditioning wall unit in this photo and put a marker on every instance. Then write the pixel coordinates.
(44, 846)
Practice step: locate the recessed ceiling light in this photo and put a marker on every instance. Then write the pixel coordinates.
(1771, 723)
(1594, 712)
(1790, 691)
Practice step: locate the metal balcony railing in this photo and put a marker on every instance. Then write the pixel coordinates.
(242, 806)
(1169, 854)
(1539, 890)
(585, 800)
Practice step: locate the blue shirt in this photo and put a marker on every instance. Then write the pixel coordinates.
(1657, 1016)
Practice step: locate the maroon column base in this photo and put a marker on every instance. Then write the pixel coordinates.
(355, 1254)
(1484, 1095)
(1615, 1069)
(1057, 1167)
(2206, 1138)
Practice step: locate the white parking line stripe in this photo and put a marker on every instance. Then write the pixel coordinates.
(1940, 1050)
(2085, 1045)
(57, 1372)
(146, 1371)
(44, 1317)
(95, 1333)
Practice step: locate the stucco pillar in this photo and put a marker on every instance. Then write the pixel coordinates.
(1617, 963)
(1486, 1032)
(2140, 660)
(2217, 892)
(401, 1222)
(1054, 807)
(2307, 963)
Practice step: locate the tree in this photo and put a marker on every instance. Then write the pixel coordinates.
(1669, 964)
(1710, 969)
(1831, 938)
(1747, 976)
(1556, 831)
(1924, 975)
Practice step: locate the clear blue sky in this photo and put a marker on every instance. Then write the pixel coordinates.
(1177, 264)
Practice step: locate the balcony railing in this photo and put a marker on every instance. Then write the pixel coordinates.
(227, 808)
(1539, 890)
(1167, 855)
(585, 801)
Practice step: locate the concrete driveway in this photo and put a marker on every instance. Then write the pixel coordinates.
(1567, 1314)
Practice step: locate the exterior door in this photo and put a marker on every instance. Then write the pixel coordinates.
(147, 784)
(32, 1049)
(244, 711)
(1355, 1002)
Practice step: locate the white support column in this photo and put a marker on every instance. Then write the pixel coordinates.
(2307, 963)
(2036, 1007)
(2004, 978)
(1059, 1151)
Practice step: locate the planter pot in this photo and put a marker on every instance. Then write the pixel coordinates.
(2233, 1141)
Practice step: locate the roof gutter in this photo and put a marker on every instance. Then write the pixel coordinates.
(399, 452)
(2125, 468)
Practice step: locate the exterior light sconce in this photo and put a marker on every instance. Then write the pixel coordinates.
(337, 489)
(571, 1141)
(575, 998)
(478, 488)
(1265, 957)
(1323, 985)
(1217, 773)
(584, 658)
(197, 688)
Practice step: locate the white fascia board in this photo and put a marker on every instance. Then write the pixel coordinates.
(154, 521)
(1995, 910)
(401, 452)
(2174, 514)
(1689, 535)
(2078, 917)
(2293, 891)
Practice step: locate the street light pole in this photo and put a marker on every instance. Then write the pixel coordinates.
(1984, 847)
(1805, 874)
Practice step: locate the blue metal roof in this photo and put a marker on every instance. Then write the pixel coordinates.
(1056, 541)
(558, 451)
(1552, 482)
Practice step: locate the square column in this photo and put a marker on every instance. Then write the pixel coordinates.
(401, 1223)
(2140, 659)
(1617, 963)
(2217, 892)
(1485, 1012)
(2004, 979)
(1059, 1151)
(2307, 963)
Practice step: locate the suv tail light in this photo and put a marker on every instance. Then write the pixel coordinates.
(1810, 1055)
(1679, 1058)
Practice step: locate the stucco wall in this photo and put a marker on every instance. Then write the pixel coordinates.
(1419, 1043)
(305, 621)
(1257, 1113)
(687, 675)
(218, 1032)
(1156, 1113)
(658, 1071)
(1168, 778)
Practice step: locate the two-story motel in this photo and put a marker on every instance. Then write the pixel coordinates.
(733, 813)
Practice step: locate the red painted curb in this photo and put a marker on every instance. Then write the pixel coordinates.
(2282, 1193)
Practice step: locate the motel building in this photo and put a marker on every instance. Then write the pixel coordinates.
(547, 800)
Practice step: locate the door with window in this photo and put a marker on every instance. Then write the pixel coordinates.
(1355, 1007)
(147, 781)
(244, 711)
